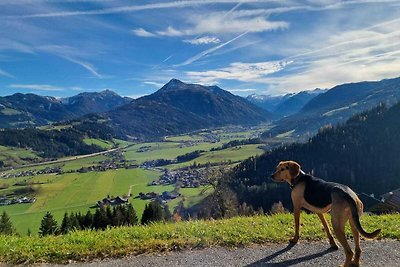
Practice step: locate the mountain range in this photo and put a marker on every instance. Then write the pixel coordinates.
(337, 105)
(284, 105)
(179, 107)
(27, 110)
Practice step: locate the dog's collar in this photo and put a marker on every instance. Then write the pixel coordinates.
(297, 180)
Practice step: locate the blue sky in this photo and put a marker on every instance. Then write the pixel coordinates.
(63, 47)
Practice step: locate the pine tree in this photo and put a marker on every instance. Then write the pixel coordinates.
(88, 222)
(6, 227)
(65, 224)
(48, 225)
(152, 212)
(131, 216)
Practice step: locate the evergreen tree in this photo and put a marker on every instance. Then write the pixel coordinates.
(131, 217)
(88, 222)
(48, 225)
(152, 212)
(65, 224)
(6, 227)
(118, 218)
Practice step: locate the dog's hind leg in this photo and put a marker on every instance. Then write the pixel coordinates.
(328, 231)
(356, 235)
(340, 215)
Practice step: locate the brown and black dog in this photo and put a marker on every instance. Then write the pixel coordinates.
(319, 196)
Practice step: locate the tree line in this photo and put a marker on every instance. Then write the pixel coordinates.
(103, 218)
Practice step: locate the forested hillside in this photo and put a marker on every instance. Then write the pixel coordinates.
(57, 142)
(363, 154)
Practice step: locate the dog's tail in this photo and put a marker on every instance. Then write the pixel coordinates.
(356, 219)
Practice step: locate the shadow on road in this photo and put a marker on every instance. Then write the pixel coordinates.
(266, 261)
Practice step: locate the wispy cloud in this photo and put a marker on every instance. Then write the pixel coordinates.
(183, 4)
(239, 71)
(5, 73)
(208, 51)
(214, 24)
(85, 65)
(203, 40)
(143, 33)
(156, 84)
(242, 90)
(38, 87)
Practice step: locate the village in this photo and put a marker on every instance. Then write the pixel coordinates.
(4, 201)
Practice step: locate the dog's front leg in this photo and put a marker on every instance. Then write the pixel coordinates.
(296, 214)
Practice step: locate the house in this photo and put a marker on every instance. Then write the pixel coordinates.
(392, 198)
(112, 201)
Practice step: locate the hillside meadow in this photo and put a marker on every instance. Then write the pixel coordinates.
(163, 237)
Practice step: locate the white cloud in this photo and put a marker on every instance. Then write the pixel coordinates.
(215, 24)
(239, 71)
(143, 33)
(5, 73)
(203, 40)
(38, 87)
(156, 84)
(243, 90)
(208, 51)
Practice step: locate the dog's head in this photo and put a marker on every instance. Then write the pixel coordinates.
(286, 171)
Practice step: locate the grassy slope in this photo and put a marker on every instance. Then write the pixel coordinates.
(77, 192)
(98, 142)
(12, 156)
(84, 245)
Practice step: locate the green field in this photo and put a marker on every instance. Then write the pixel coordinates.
(12, 156)
(77, 192)
(163, 237)
(98, 142)
(164, 150)
(233, 154)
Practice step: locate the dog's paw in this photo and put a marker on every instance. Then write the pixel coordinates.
(294, 240)
(334, 246)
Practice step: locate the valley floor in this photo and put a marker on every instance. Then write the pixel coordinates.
(375, 253)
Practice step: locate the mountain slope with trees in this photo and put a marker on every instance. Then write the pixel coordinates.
(363, 153)
(27, 110)
(179, 107)
(337, 105)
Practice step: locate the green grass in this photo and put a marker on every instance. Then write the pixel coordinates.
(229, 154)
(77, 192)
(98, 142)
(12, 156)
(162, 237)
(164, 150)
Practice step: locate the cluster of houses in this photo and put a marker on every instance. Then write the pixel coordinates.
(47, 170)
(389, 202)
(4, 201)
(192, 178)
(116, 161)
(162, 198)
(108, 201)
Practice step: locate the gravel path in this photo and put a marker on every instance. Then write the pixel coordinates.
(375, 253)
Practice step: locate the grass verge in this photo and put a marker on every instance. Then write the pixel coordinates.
(159, 237)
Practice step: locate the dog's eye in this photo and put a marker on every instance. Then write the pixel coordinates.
(282, 170)
(287, 167)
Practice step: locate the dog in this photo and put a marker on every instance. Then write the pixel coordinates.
(319, 196)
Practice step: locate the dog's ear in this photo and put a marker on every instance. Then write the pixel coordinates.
(294, 168)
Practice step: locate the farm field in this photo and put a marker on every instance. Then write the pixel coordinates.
(101, 143)
(76, 192)
(11, 156)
